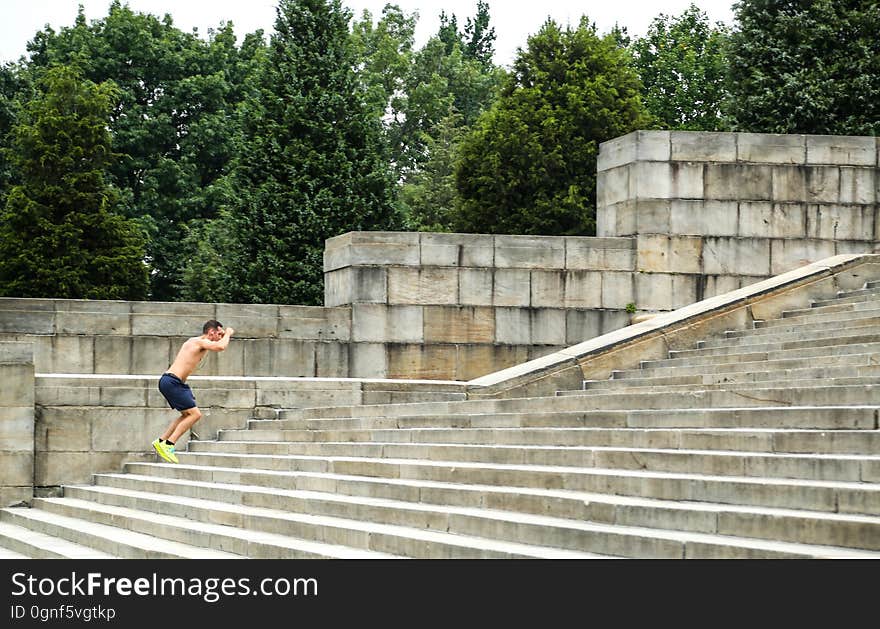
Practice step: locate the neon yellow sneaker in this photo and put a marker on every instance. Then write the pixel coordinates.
(165, 451)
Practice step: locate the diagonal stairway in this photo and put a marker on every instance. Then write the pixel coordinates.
(758, 443)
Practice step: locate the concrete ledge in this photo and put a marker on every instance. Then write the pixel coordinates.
(679, 329)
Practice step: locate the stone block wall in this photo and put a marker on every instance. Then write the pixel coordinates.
(462, 305)
(724, 209)
(16, 423)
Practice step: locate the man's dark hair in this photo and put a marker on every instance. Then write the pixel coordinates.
(211, 325)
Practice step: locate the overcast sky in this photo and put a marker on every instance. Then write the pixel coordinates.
(513, 20)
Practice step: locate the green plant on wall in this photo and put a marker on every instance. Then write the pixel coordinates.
(631, 308)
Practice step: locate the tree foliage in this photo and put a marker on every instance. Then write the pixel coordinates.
(681, 62)
(529, 165)
(59, 234)
(172, 124)
(806, 67)
(310, 164)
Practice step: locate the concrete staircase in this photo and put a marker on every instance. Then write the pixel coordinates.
(760, 443)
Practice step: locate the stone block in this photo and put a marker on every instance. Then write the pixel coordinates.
(618, 220)
(153, 355)
(548, 326)
(789, 183)
(29, 304)
(771, 148)
(787, 255)
(582, 325)
(858, 185)
(372, 249)
(653, 146)
(475, 287)
(822, 184)
(18, 385)
(613, 186)
(16, 352)
(368, 360)
(337, 287)
(512, 287)
(16, 428)
(314, 323)
(617, 152)
(230, 362)
(459, 324)
(93, 306)
(738, 182)
(704, 218)
(653, 216)
(248, 320)
(289, 358)
(460, 250)
(841, 150)
(701, 146)
(374, 323)
(583, 289)
(15, 321)
(606, 221)
(196, 311)
(653, 291)
(618, 289)
(113, 354)
(64, 429)
(430, 362)
(685, 290)
(676, 254)
(16, 469)
(588, 254)
(840, 222)
(13, 495)
(548, 289)
(529, 252)
(65, 468)
(714, 285)
(332, 360)
(415, 286)
(736, 256)
(513, 326)
(70, 354)
(167, 325)
(474, 361)
(92, 323)
(759, 219)
(664, 180)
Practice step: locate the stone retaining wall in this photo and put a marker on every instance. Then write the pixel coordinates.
(16, 422)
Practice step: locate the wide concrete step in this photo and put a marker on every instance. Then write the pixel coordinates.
(541, 530)
(755, 440)
(21, 542)
(826, 313)
(695, 415)
(109, 540)
(808, 356)
(810, 322)
(424, 507)
(313, 535)
(731, 382)
(849, 297)
(841, 365)
(813, 495)
(389, 459)
(180, 522)
(721, 347)
(799, 392)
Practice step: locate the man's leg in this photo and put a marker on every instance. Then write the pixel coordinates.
(179, 426)
(166, 436)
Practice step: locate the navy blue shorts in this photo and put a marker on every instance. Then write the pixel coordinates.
(177, 392)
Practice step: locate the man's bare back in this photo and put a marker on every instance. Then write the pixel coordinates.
(193, 350)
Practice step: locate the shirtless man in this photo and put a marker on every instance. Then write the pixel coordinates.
(173, 385)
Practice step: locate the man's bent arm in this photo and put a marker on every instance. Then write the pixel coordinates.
(217, 346)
